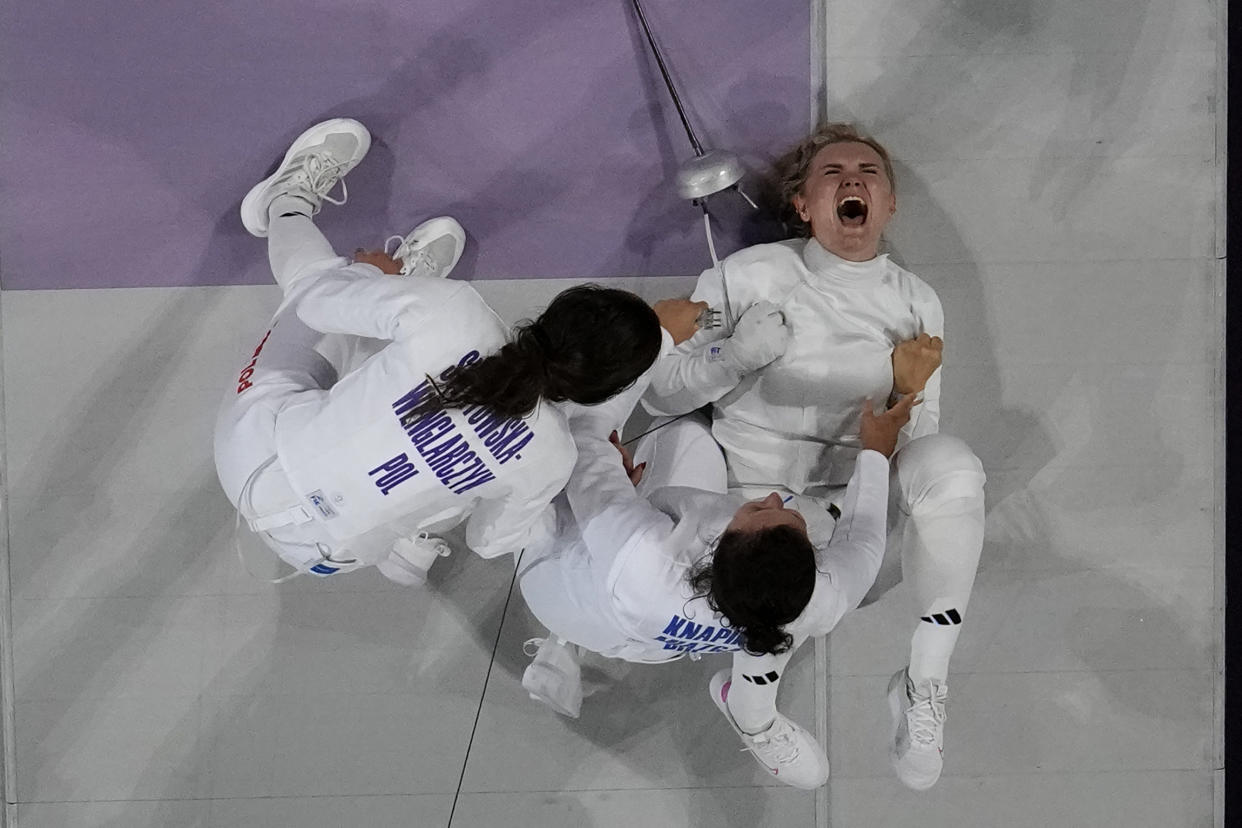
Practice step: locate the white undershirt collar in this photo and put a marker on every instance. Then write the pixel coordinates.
(832, 267)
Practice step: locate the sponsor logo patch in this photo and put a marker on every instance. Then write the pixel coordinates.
(320, 502)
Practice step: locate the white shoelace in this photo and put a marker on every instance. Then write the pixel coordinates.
(926, 714)
(318, 176)
(779, 743)
(411, 261)
(440, 545)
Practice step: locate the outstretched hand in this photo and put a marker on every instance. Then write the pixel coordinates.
(879, 431)
(634, 473)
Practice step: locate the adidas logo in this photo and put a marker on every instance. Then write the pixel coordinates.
(946, 619)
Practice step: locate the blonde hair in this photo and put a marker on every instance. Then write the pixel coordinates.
(792, 169)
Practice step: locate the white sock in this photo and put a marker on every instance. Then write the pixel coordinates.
(293, 241)
(289, 203)
(940, 555)
(755, 681)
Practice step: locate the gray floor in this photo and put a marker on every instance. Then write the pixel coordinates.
(1059, 185)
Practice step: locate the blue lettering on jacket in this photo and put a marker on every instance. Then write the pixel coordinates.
(434, 436)
(502, 436)
(395, 472)
(686, 636)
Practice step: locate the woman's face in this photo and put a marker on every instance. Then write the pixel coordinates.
(766, 513)
(847, 199)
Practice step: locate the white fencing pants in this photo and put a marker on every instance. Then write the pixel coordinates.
(936, 526)
(291, 359)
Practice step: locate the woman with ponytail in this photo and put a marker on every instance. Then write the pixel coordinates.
(387, 403)
(589, 343)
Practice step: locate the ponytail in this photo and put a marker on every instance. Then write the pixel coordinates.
(590, 343)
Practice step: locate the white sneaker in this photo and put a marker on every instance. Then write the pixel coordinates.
(785, 750)
(430, 249)
(410, 559)
(917, 746)
(315, 162)
(554, 677)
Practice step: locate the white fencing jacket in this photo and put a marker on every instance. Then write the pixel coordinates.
(794, 423)
(639, 550)
(355, 455)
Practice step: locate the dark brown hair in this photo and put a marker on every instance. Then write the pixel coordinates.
(590, 343)
(760, 581)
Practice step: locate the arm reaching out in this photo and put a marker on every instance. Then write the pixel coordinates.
(679, 317)
(694, 376)
(851, 560)
(879, 432)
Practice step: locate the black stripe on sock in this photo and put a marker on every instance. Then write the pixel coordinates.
(289, 215)
(773, 676)
(834, 511)
(948, 619)
(748, 678)
(760, 680)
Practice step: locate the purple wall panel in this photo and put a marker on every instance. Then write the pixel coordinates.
(130, 130)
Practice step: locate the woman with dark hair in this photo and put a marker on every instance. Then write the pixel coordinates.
(818, 317)
(651, 562)
(386, 403)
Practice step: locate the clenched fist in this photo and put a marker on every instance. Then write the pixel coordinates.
(914, 361)
(761, 337)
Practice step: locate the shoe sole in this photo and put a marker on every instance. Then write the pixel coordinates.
(897, 710)
(254, 216)
(401, 575)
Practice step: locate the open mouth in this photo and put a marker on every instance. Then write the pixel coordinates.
(852, 211)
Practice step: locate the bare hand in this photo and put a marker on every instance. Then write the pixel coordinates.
(635, 473)
(879, 431)
(914, 361)
(679, 317)
(379, 259)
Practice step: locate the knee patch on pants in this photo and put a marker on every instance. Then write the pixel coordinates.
(936, 469)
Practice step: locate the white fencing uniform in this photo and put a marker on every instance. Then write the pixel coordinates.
(614, 578)
(342, 467)
(793, 424)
